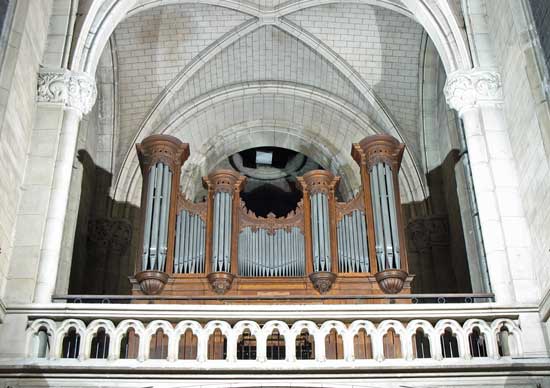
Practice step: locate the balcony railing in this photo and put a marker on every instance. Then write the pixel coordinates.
(62, 338)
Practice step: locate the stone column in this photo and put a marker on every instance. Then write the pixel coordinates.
(76, 92)
(477, 96)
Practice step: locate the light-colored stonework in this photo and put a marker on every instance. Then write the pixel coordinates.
(82, 82)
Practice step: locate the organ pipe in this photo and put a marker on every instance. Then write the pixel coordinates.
(319, 188)
(224, 188)
(279, 253)
(161, 158)
(190, 241)
(353, 255)
(379, 158)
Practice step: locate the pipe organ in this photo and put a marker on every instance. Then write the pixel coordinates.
(324, 246)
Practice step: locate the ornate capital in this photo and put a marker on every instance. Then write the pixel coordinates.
(73, 89)
(469, 88)
(162, 148)
(224, 180)
(319, 181)
(376, 149)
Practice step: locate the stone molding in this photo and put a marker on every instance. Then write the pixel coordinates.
(75, 90)
(470, 88)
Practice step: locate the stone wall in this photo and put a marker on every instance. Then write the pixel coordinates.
(18, 80)
(527, 120)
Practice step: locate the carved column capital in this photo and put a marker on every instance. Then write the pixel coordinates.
(466, 89)
(378, 148)
(162, 148)
(319, 181)
(224, 180)
(73, 89)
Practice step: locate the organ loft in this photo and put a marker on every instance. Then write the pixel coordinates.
(274, 193)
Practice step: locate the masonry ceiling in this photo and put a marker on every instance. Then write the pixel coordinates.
(334, 73)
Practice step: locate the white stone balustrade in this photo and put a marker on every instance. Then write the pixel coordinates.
(57, 330)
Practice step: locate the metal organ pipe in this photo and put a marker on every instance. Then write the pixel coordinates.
(385, 218)
(153, 250)
(155, 236)
(164, 212)
(352, 243)
(280, 253)
(380, 257)
(190, 241)
(148, 219)
(221, 246)
(320, 232)
(393, 216)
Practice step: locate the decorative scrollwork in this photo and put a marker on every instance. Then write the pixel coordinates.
(344, 208)
(319, 181)
(198, 208)
(271, 223)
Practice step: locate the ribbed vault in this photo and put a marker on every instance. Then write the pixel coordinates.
(314, 75)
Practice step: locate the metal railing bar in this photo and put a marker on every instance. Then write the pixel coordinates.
(438, 298)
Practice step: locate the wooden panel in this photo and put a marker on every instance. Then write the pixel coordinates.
(392, 345)
(305, 346)
(196, 285)
(334, 346)
(217, 346)
(158, 347)
(187, 347)
(362, 345)
(275, 346)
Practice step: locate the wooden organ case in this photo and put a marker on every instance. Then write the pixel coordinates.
(217, 249)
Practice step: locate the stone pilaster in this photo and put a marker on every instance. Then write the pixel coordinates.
(77, 93)
(476, 95)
